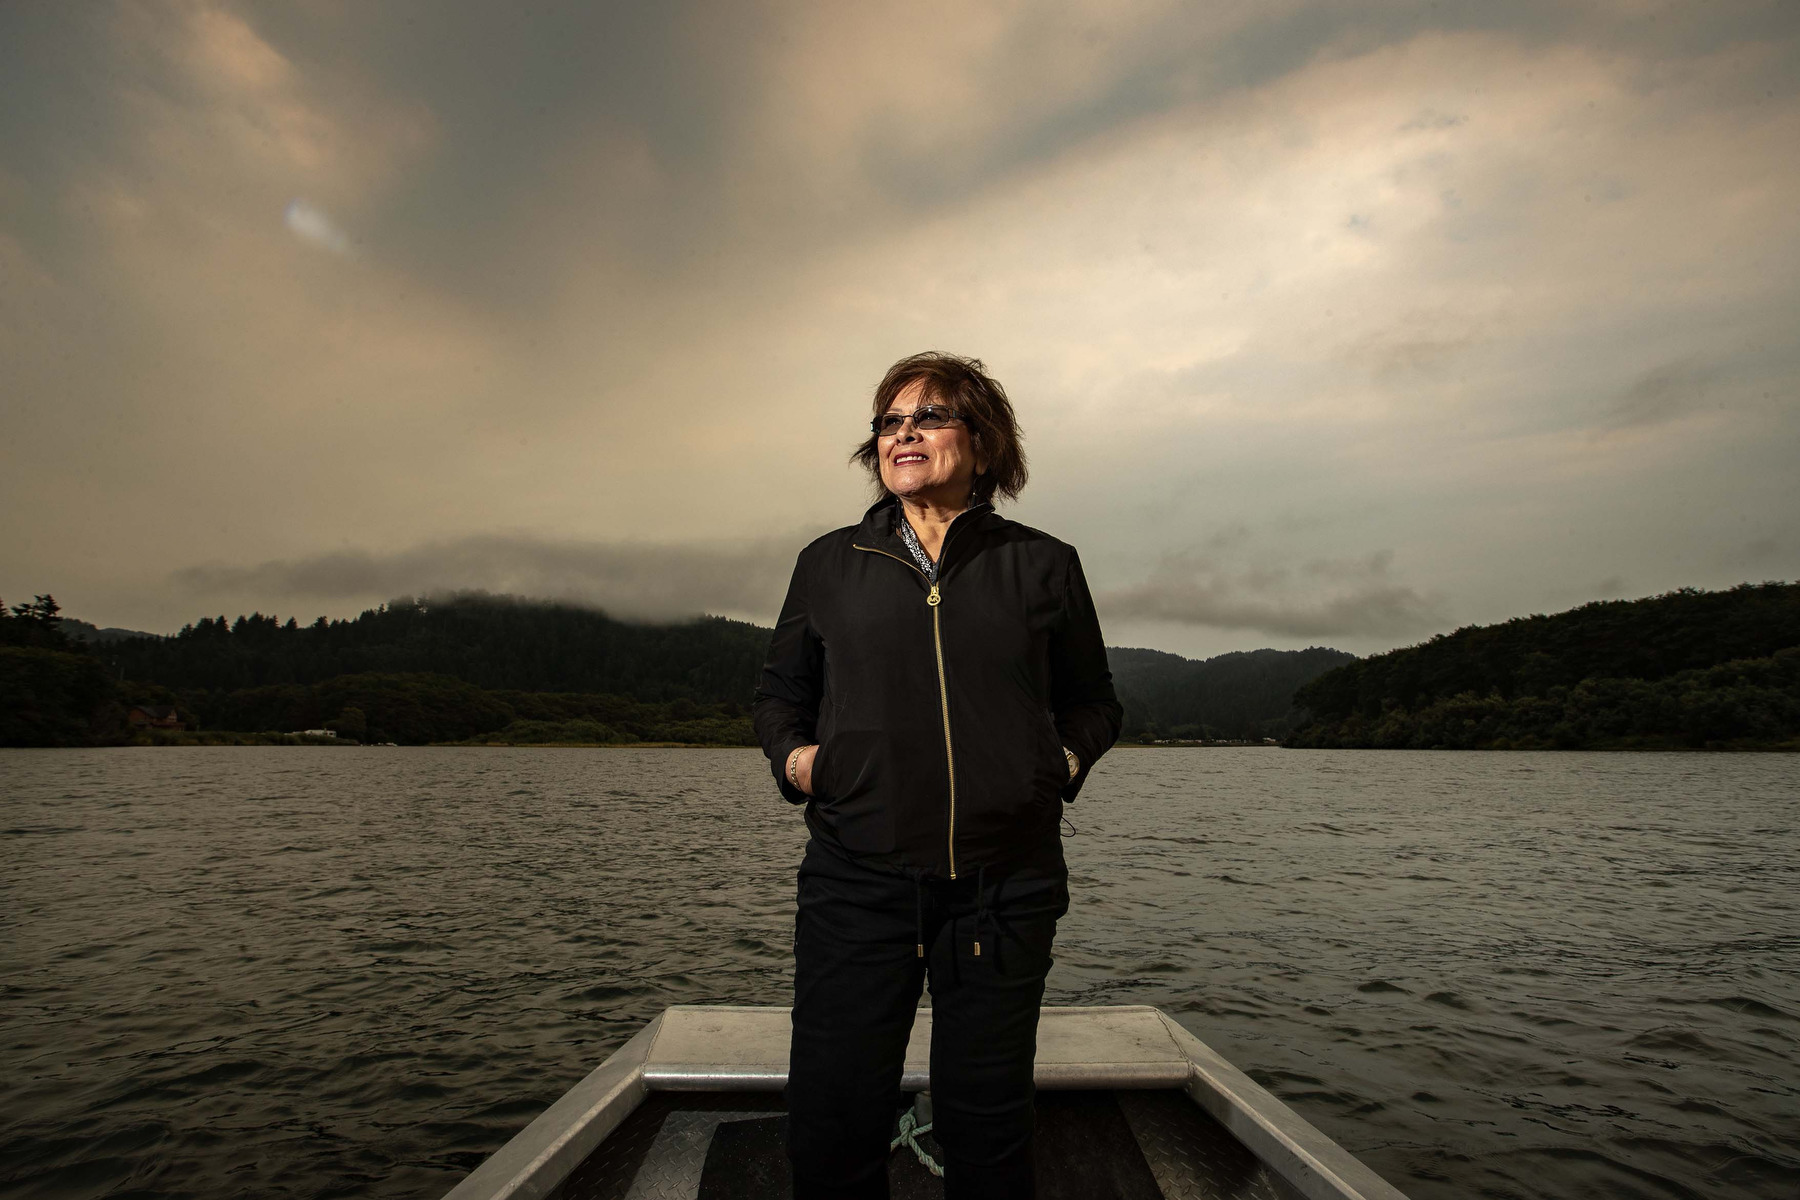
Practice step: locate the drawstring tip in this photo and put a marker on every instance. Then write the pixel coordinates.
(977, 949)
(920, 947)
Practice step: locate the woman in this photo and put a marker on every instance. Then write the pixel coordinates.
(936, 689)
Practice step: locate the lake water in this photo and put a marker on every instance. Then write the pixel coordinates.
(354, 972)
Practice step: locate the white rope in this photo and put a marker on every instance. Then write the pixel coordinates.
(910, 1129)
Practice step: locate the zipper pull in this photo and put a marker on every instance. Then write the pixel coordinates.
(933, 598)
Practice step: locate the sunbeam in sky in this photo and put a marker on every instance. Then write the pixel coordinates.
(310, 222)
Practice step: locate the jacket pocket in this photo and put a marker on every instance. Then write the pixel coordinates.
(853, 790)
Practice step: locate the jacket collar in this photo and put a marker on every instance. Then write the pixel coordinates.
(879, 526)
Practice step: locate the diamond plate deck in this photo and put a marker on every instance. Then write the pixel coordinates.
(1105, 1135)
(674, 1163)
(639, 1161)
(660, 1151)
(1193, 1156)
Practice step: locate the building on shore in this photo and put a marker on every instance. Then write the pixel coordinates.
(152, 716)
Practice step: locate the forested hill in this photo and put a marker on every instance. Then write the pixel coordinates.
(489, 641)
(1689, 668)
(507, 643)
(480, 667)
(1247, 695)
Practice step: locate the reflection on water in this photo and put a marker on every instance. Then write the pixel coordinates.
(312, 972)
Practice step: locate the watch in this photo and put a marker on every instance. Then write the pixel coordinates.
(1074, 763)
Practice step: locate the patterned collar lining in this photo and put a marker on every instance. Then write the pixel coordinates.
(912, 544)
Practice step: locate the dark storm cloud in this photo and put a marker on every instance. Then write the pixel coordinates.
(1325, 598)
(1662, 393)
(524, 97)
(620, 275)
(646, 582)
(517, 90)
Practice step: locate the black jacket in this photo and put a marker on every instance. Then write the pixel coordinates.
(941, 710)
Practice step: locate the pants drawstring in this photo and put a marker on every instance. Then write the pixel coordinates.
(986, 921)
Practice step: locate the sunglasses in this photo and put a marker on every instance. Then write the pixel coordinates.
(929, 416)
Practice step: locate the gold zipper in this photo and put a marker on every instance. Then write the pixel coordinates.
(937, 642)
(935, 598)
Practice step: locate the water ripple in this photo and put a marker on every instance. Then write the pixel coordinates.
(276, 972)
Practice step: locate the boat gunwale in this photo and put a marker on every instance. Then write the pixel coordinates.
(534, 1164)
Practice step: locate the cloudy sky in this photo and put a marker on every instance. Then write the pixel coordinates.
(1328, 323)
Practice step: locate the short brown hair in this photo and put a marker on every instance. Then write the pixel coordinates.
(964, 385)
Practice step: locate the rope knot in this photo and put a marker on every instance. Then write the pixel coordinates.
(910, 1129)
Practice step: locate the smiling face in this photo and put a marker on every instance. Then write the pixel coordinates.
(936, 465)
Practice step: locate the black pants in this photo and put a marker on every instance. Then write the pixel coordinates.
(857, 975)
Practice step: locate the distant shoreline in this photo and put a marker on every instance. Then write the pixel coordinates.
(223, 737)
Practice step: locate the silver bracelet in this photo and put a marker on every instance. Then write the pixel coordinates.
(794, 767)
